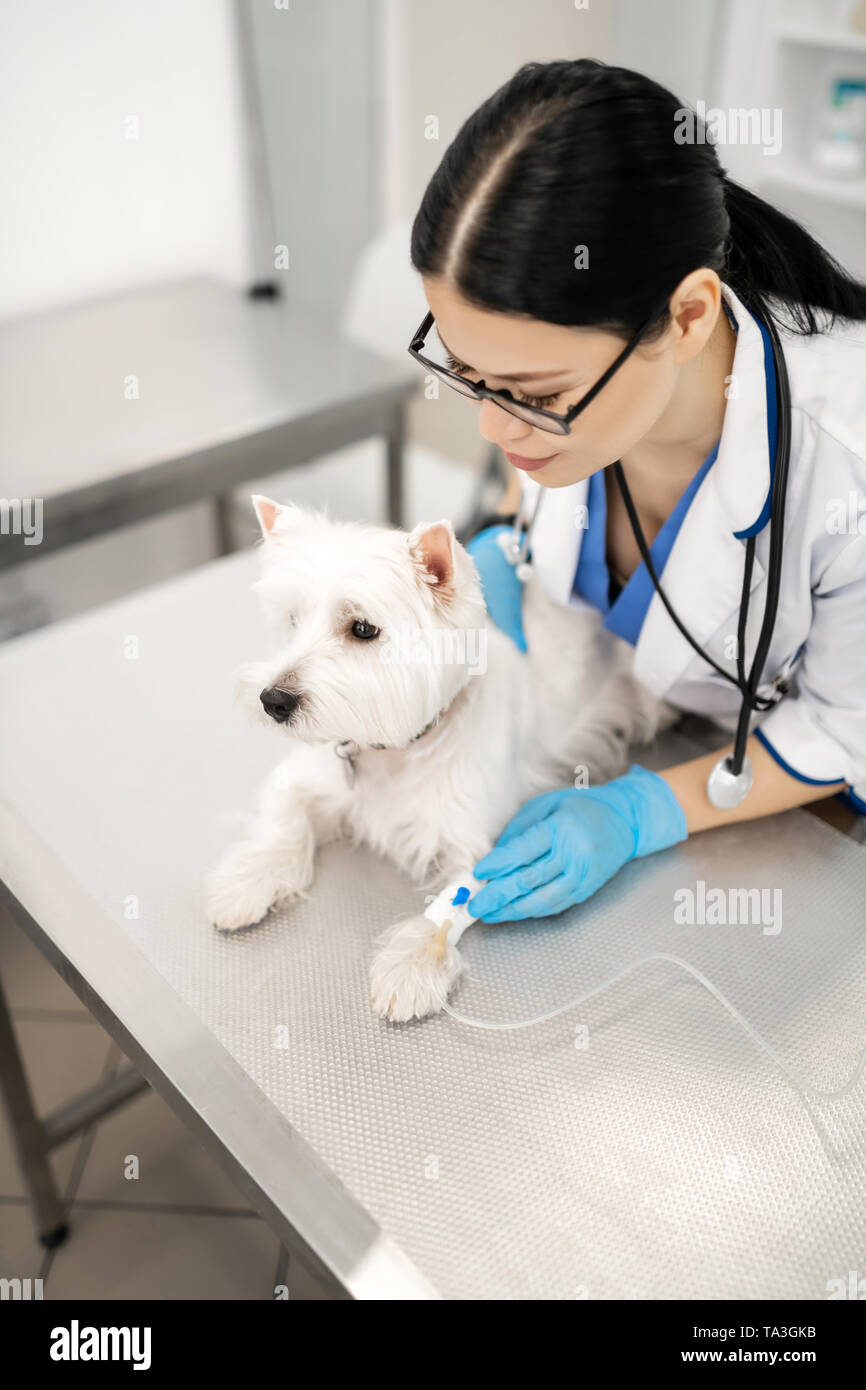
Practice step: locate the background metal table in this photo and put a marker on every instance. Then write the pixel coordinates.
(115, 411)
(667, 1158)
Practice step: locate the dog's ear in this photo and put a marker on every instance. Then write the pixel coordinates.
(432, 548)
(275, 518)
(266, 512)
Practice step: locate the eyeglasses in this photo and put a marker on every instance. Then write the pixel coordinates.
(542, 419)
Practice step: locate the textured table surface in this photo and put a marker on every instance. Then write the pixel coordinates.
(639, 1146)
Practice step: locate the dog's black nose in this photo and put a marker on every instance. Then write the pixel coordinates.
(280, 704)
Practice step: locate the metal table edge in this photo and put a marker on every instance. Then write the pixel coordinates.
(295, 1192)
(179, 480)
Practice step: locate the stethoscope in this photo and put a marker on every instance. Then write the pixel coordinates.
(730, 780)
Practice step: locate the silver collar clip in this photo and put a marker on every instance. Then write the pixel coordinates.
(348, 750)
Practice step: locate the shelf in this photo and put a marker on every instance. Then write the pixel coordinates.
(811, 36)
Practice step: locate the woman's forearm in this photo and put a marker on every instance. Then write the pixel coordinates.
(773, 789)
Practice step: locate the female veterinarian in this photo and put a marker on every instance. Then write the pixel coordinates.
(678, 373)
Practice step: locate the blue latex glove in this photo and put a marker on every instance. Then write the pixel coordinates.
(563, 845)
(503, 591)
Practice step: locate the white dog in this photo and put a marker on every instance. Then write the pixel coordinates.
(416, 726)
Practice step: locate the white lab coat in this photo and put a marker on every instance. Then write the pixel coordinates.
(818, 731)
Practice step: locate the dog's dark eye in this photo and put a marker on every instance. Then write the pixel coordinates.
(365, 632)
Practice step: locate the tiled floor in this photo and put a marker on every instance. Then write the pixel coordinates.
(179, 1229)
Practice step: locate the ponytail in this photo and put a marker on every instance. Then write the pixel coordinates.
(770, 256)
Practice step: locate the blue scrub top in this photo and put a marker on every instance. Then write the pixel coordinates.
(593, 580)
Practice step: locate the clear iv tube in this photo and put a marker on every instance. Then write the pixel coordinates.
(692, 970)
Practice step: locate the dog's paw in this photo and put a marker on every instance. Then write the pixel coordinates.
(242, 889)
(413, 972)
(232, 903)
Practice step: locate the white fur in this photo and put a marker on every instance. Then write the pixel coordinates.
(435, 805)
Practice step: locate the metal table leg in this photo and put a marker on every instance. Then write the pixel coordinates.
(223, 523)
(395, 441)
(34, 1138)
(27, 1136)
(282, 1275)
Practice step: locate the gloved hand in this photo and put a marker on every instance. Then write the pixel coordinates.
(503, 591)
(563, 845)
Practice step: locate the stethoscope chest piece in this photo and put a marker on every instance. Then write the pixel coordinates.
(515, 543)
(726, 788)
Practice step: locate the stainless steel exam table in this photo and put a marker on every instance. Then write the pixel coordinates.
(640, 1146)
(126, 407)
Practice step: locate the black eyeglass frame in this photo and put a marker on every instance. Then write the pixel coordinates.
(561, 424)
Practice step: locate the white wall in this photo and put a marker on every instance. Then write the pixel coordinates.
(445, 59)
(671, 41)
(87, 210)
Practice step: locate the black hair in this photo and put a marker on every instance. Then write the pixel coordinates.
(576, 153)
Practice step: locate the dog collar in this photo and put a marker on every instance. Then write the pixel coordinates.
(348, 750)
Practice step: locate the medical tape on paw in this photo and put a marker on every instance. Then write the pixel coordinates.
(448, 909)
